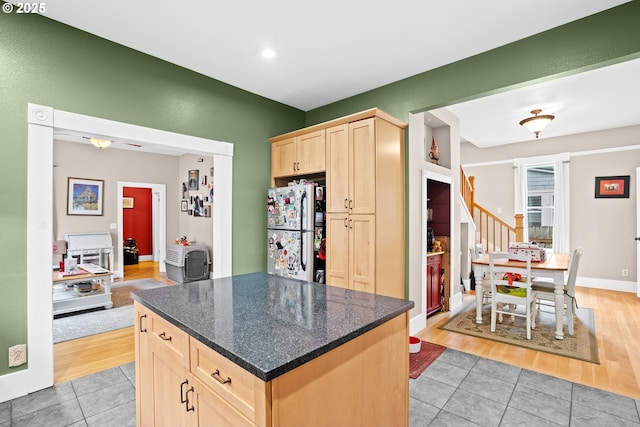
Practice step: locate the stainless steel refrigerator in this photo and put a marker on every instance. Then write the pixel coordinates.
(295, 229)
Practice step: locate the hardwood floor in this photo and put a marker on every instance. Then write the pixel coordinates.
(83, 356)
(617, 315)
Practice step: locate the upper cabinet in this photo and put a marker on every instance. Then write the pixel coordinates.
(298, 155)
(351, 156)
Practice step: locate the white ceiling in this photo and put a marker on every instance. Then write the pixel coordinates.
(330, 50)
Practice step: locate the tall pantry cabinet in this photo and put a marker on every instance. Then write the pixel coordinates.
(365, 201)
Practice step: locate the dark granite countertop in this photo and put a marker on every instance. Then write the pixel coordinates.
(268, 324)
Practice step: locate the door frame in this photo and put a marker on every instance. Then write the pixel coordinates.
(42, 121)
(637, 232)
(158, 221)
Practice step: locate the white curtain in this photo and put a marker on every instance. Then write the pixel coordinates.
(561, 221)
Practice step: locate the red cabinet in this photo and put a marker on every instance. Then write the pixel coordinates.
(434, 282)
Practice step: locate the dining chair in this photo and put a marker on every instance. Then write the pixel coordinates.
(545, 290)
(512, 292)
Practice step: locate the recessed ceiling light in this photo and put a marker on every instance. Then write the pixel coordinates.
(268, 53)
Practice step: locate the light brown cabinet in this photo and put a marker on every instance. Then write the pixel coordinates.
(434, 283)
(350, 241)
(298, 155)
(365, 199)
(167, 392)
(182, 382)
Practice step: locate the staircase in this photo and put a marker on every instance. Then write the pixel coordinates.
(495, 233)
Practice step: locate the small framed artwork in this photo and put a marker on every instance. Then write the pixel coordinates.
(203, 180)
(194, 179)
(184, 205)
(127, 202)
(207, 211)
(612, 187)
(85, 196)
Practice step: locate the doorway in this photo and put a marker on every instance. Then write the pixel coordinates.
(158, 223)
(42, 121)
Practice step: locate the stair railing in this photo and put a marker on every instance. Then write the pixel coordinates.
(495, 234)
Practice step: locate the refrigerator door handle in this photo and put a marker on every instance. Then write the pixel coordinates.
(302, 263)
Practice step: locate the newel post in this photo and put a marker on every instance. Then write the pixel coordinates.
(519, 227)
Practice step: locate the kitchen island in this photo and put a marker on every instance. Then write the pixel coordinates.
(259, 349)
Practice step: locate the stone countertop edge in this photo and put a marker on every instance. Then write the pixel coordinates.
(268, 375)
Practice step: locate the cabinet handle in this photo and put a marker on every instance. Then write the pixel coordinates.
(186, 403)
(183, 398)
(345, 223)
(140, 328)
(350, 202)
(350, 222)
(216, 376)
(345, 204)
(165, 337)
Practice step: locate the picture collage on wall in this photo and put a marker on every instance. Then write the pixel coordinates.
(197, 194)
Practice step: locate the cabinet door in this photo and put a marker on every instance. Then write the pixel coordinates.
(337, 194)
(210, 409)
(170, 387)
(160, 371)
(337, 267)
(362, 253)
(283, 157)
(434, 299)
(362, 173)
(310, 153)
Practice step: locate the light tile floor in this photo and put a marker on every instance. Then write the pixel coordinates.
(458, 389)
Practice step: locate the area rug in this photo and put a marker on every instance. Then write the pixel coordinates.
(581, 346)
(419, 361)
(121, 291)
(90, 322)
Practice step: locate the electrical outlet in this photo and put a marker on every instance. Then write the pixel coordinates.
(17, 355)
(625, 272)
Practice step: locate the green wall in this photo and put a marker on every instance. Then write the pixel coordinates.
(45, 62)
(48, 63)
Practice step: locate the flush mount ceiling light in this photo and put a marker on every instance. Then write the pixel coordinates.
(100, 143)
(268, 53)
(536, 123)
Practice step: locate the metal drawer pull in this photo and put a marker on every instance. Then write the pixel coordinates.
(183, 399)
(140, 323)
(216, 376)
(345, 204)
(165, 337)
(192, 408)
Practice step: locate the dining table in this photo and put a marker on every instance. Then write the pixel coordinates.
(554, 267)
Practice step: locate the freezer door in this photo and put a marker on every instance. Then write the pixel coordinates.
(287, 257)
(291, 208)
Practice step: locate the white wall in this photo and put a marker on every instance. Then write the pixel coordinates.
(604, 228)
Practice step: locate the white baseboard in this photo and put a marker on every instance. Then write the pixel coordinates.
(611, 285)
(417, 324)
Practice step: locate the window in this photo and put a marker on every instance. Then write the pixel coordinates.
(540, 208)
(542, 195)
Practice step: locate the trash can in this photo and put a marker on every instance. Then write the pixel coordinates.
(130, 249)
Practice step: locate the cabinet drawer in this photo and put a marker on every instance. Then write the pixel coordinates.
(167, 335)
(231, 382)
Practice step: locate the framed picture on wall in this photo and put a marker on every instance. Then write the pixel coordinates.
(612, 187)
(85, 196)
(127, 202)
(184, 205)
(193, 179)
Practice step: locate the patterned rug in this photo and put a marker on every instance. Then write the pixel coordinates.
(581, 346)
(421, 360)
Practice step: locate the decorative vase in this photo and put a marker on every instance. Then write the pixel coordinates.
(434, 154)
